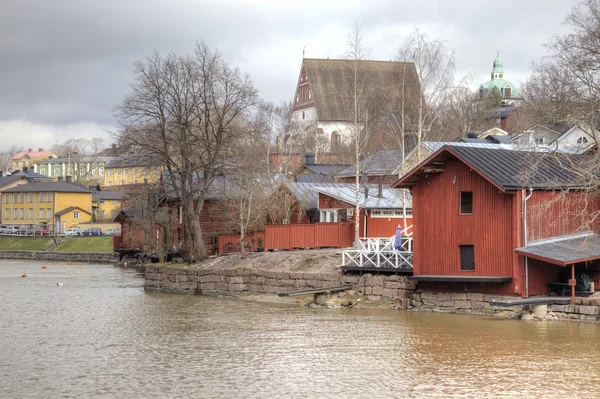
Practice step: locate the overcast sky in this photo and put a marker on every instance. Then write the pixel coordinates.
(65, 63)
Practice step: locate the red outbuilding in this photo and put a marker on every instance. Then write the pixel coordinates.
(494, 221)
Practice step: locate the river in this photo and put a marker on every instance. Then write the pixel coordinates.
(100, 335)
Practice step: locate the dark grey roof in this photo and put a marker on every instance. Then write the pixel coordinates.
(331, 83)
(510, 170)
(4, 180)
(391, 197)
(314, 178)
(323, 169)
(30, 174)
(501, 112)
(305, 194)
(501, 139)
(130, 213)
(85, 159)
(564, 250)
(69, 209)
(54, 186)
(132, 160)
(380, 163)
(108, 195)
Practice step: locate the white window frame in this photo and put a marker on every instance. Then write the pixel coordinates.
(7, 213)
(125, 171)
(109, 183)
(15, 213)
(30, 213)
(49, 212)
(389, 213)
(75, 215)
(42, 213)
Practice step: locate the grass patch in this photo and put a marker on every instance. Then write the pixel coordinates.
(25, 243)
(87, 244)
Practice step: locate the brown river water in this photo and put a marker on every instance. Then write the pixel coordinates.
(100, 335)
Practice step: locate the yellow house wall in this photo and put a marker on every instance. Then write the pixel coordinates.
(107, 207)
(135, 175)
(58, 201)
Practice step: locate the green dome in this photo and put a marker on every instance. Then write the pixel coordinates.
(497, 64)
(501, 84)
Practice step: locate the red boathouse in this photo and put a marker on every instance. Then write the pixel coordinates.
(484, 220)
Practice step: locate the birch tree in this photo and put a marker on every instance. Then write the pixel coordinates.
(186, 112)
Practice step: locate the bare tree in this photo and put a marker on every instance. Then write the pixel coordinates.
(6, 156)
(187, 112)
(435, 68)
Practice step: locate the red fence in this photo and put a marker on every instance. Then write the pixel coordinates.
(316, 235)
(231, 242)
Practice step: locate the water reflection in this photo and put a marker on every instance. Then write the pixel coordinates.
(101, 335)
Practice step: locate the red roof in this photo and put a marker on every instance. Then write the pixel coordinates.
(34, 154)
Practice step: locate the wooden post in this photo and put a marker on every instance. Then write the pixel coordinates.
(572, 283)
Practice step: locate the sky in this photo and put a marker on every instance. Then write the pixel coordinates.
(64, 64)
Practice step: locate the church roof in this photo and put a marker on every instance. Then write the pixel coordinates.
(500, 84)
(331, 82)
(497, 65)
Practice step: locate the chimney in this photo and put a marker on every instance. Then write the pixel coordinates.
(472, 135)
(380, 186)
(60, 178)
(366, 192)
(29, 150)
(309, 159)
(25, 169)
(68, 179)
(40, 149)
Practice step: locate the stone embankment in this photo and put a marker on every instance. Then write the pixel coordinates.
(585, 309)
(91, 257)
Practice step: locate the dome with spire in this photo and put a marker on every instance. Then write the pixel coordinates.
(507, 89)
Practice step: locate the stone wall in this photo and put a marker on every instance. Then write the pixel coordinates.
(92, 257)
(181, 280)
(586, 309)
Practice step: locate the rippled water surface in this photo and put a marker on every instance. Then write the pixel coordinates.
(100, 335)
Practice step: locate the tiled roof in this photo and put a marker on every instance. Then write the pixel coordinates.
(33, 154)
(56, 186)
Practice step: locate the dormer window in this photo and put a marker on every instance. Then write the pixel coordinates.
(507, 92)
(582, 140)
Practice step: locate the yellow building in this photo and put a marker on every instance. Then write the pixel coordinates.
(131, 169)
(59, 204)
(107, 204)
(29, 157)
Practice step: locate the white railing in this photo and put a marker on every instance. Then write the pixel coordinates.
(381, 252)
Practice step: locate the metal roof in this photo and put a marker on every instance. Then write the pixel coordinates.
(55, 186)
(509, 170)
(85, 159)
(127, 160)
(564, 250)
(4, 180)
(107, 195)
(391, 198)
(324, 169)
(380, 163)
(314, 178)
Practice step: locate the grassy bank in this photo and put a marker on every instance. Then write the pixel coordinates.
(25, 243)
(87, 244)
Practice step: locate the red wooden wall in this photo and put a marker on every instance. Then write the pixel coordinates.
(439, 229)
(250, 239)
(316, 235)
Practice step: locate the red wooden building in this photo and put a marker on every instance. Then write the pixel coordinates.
(479, 214)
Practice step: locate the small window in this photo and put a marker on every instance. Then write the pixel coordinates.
(49, 212)
(7, 213)
(114, 202)
(582, 140)
(30, 197)
(126, 171)
(81, 172)
(145, 181)
(110, 183)
(466, 202)
(539, 140)
(118, 172)
(103, 201)
(43, 171)
(15, 213)
(56, 171)
(76, 215)
(42, 213)
(41, 197)
(30, 213)
(22, 213)
(15, 197)
(467, 257)
(109, 172)
(507, 92)
(22, 197)
(94, 172)
(101, 171)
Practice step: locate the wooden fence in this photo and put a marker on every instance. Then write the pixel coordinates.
(316, 235)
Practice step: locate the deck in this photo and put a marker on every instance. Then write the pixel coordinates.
(380, 255)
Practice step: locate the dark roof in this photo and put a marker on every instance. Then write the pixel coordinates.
(54, 186)
(4, 180)
(133, 160)
(107, 195)
(494, 139)
(508, 170)
(564, 250)
(324, 169)
(501, 112)
(69, 209)
(380, 163)
(501, 139)
(331, 83)
(30, 174)
(130, 213)
(84, 159)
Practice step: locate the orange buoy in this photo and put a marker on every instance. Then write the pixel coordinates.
(43, 267)
(23, 275)
(68, 263)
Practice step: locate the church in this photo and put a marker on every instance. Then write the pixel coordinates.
(508, 91)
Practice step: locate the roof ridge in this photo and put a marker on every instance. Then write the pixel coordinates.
(350, 59)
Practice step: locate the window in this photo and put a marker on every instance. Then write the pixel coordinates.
(309, 94)
(466, 202)
(94, 172)
(303, 115)
(41, 197)
(49, 213)
(135, 171)
(30, 197)
(56, 171)
(81, 172)
(102, 212)
(22, 213)
(118, 172)
(467, 257)
(30, 213)
(298, 97)
(109, 172)
(507, 92)
(48, 196)
(122, 182)
(42, 213)
(389, 213)
(114, 202)
(7, 213)
(103, 201)
(110, 183)
(6, 199)
(145, 181)
(101, 171)
(15, 213)
(42, 171)
(539, 140)
(15, 197)
(75, 215)
(22, 197)
(126, 171)
(582, 140)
